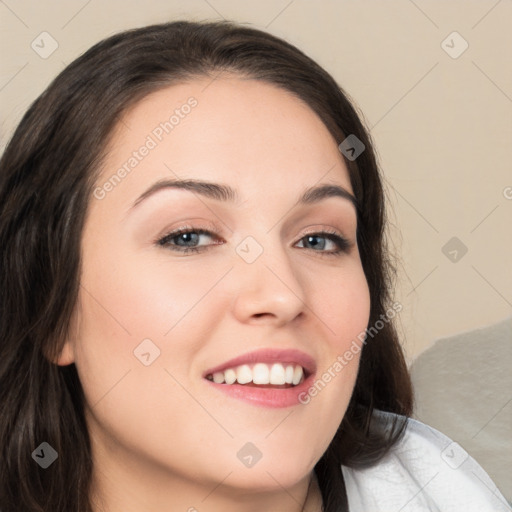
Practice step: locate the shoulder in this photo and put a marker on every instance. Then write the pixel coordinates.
(424, 471)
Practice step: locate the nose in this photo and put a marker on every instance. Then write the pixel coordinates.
(269, 290)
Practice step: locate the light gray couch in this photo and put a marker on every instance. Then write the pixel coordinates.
(463, 387)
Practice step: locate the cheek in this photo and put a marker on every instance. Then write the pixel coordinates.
(133, 297)
(342, 302)
(125, 305)
(132, 306)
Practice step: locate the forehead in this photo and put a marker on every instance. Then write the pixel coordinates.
(245, 132)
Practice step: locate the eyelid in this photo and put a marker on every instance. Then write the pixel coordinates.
(329, 229)
(318, 229)
(210, 227)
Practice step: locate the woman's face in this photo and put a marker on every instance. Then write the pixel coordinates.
(153, 321)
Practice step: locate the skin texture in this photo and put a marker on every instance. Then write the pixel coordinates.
(163, 438)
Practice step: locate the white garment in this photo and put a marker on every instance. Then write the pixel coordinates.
(425, 472)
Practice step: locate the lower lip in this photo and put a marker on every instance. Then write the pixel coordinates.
(266, 397)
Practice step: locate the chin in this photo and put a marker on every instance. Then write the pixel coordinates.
(272, 472)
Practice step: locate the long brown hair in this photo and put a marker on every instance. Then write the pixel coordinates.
(47, 174)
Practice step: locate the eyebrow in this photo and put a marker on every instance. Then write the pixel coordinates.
(220, 192)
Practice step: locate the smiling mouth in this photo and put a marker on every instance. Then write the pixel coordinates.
(261, 375)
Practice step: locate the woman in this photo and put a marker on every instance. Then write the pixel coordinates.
(196, 309)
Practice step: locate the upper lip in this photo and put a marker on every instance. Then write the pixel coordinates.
(268, 356)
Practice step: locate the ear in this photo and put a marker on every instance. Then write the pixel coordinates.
(64, 357)
(67, 353)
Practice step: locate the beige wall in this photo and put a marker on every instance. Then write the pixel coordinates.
(442, 125)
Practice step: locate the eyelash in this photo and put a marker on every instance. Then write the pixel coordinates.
(343, 244)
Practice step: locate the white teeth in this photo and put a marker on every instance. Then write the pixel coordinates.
(260, 373)
(244, 374)
(277, 374)
(230, 376)
(297, 375)
(288, 376)
(218, 377)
